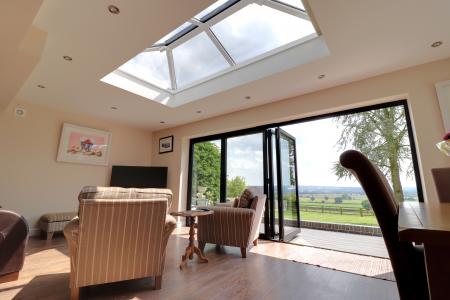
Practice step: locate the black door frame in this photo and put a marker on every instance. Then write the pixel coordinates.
(269, 213)
(263, 128)
(280, 133)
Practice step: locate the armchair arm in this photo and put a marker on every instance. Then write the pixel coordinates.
(227, 226)
(71, 231)
(4, 231)
(13, 239)
(170, 225)
(226, 204)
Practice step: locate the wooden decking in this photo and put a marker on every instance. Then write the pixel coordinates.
(226, 276)
(346, 242)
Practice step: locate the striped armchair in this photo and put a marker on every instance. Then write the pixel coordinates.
(120, 234)
(231, 226)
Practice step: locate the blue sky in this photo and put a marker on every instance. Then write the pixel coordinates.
(316, 154)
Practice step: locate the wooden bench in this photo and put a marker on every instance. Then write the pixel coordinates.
(55, 222)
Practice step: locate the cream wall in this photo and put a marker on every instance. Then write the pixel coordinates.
(33, 183)
(414, 84)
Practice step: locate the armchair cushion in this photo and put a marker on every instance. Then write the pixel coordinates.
(254, 203)
(245, 201)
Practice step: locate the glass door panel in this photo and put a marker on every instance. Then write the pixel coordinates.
(287, 186)
(282, 211)
(206, 166)
(245, 161)
(245, 166)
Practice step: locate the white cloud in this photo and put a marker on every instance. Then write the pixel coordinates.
(316, 155)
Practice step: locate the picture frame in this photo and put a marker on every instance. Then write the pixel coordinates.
(84, 145)
(443, 94)
(166, 144)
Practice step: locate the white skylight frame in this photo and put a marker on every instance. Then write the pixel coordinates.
(206, 28)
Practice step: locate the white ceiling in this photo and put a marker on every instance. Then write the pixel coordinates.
(365, 38)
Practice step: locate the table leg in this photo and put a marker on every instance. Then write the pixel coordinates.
(438, 270)
(192, 239)
(191, 249)
(200, 255)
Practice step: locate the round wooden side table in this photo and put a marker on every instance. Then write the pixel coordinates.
(191, 249)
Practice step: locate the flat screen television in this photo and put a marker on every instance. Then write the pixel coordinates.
(139, 177)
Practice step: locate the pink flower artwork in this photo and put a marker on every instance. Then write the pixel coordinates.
(81, 143)
(84, 145)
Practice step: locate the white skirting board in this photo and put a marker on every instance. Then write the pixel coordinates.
(35, 231)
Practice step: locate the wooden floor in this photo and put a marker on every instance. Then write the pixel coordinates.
(226, 276)
(347, 242)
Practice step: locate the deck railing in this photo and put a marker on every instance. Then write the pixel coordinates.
(340, 210)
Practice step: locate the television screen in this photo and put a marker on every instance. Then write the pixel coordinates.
(139, 177)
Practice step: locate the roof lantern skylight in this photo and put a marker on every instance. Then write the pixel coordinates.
(220, 37)
(224, 37)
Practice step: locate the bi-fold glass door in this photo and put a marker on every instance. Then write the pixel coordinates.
(282, 215)
(264, 161)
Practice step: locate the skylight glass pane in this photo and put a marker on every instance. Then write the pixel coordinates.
(210, 8)
(173, 33)
(197, 58)
(257, 29)
(294, 3)
(151, 67)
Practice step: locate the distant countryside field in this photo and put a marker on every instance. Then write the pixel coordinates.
(336, 208)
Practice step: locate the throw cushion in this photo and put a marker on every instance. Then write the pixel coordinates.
(246, 199)
(254, 203)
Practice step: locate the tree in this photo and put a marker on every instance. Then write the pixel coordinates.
(366, 204)
(326, 197)
(338, 200)
(382, 135)
(206, 169)
(312, 198)
(235, 186)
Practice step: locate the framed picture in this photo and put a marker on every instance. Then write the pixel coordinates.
(166, 144)
(443, 93)
(84, 145)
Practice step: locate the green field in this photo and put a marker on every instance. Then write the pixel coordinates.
(333, 208)
(335, 218)
(328, 200)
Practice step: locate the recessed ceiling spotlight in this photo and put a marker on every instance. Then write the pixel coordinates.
(199, 111)
(162, 122)
(436, 44)
(113, 9)
(68, 58)
(20, 112)
(321, 76)
(248, 97)
(114, 107)
(41, 86)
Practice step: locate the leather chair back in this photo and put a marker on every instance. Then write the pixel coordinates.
(407, 261)
(441, 178)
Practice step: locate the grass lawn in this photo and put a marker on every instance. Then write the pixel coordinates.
(335, 218)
